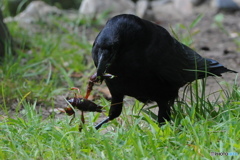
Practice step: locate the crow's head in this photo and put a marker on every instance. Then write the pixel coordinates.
(105, 49)
(120, 33)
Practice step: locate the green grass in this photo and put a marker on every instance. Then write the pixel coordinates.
(43, 70)
(31, 137)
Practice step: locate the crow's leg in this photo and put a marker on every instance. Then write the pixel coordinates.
(164, 111)
(116, 107)
(115, 110)
(101, 123)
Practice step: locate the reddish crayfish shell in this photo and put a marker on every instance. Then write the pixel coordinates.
(84, 105)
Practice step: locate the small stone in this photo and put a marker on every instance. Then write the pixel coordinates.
(164, 10)
(57, 110)
(226, 4)
(35, 11)
(94, 8)
(183, 6)
(141, 8)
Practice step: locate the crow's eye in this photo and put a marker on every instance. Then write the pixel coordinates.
(105, 47)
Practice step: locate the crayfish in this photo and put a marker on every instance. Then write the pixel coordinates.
(82, 103)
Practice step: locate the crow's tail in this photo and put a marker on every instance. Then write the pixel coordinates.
(217, 69)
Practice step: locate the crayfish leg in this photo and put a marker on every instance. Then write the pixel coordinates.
(89, 89)
(82, 117)
(93, 79)
(72, 118)
(82, 121)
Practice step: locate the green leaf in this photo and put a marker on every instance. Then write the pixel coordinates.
(219, 18)
(196, 21)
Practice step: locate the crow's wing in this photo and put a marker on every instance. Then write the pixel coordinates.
(178, 64)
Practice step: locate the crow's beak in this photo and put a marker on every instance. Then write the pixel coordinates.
(103, 62)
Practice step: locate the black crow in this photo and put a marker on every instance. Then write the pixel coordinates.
(147, 63)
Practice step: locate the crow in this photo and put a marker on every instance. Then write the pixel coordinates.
(147, 63)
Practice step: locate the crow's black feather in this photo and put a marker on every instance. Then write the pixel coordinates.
(147, 62)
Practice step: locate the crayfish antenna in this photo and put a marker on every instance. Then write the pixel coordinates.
(78, 90)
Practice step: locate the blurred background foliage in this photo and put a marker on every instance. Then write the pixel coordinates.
(13, 7)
